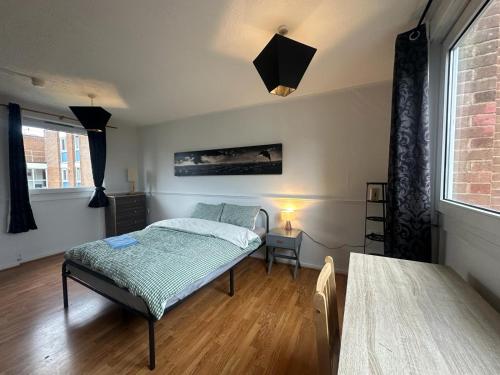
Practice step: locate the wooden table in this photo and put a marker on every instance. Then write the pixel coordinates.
(404, 317)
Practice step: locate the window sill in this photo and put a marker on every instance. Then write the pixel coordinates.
(42, 195)
(60, 191)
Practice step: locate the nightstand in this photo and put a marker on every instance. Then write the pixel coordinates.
(287, 240)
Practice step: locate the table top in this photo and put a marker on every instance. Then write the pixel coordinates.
(294, 233)
(405, 317)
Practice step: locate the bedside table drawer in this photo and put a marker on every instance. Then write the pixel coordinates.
(283, 242)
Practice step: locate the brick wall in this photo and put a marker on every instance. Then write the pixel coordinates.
(86, 166)
(70, 165)
(34, 149)
(53, 163)
(476, 174)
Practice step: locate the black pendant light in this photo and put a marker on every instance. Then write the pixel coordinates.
(282, 63)
(93, 119)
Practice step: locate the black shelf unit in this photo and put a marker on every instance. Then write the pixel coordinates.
(382, 201)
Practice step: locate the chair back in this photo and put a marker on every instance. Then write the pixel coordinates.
(326, 319)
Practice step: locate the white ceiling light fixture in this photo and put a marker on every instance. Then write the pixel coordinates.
(35, 81)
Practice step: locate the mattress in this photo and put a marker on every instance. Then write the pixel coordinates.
(261, 232)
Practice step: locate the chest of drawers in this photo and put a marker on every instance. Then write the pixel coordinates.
(125, 213)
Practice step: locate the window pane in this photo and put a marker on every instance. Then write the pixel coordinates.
(39, 174)
(473, 141)
(49, 152)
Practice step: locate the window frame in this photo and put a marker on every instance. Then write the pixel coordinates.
(34, 180)
(64, 180)
(447, 205)
(63, 141)
(76, 148)
(57, 193)
(78, 176)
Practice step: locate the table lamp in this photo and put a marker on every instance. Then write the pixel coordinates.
(287, 216)
(132, 178)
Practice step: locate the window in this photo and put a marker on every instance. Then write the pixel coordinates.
(76, 142)
(472, 169)
(64, 178)
(78, 176)
(55, 159)
(63, 147)
(37, 178)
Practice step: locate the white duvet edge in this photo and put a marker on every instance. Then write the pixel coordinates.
(238, 236)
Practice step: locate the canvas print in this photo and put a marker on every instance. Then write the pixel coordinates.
(265, 159)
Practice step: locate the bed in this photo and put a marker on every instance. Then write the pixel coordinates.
(171, 260)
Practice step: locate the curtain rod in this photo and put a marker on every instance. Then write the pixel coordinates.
(422, 17)
(60, 117)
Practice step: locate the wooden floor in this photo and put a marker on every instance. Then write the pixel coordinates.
(266, 328)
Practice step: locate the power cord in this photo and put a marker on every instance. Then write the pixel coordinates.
(329, 247)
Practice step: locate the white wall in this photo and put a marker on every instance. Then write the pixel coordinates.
(63, 220)
(471, 246)
(332, 145)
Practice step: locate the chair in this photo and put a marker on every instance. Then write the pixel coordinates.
(326, 319)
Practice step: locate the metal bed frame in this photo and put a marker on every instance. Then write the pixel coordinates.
(102, 284)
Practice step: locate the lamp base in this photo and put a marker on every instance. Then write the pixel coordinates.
(132, 187)
(288, 226)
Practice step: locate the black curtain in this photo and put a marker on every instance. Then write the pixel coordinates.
(21, 216)
(408, 234)
(97, 146)
(94, 119)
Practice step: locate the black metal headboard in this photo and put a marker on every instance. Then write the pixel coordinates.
(267, 219)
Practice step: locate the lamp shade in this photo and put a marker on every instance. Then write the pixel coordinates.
(287, 214)
(92, 118)
(131, 174)
(282, 64)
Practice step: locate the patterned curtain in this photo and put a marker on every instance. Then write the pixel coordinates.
(408, 231)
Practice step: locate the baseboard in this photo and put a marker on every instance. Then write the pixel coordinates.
(43, 255)
(7, 266)
(304, 265)
(47, 254)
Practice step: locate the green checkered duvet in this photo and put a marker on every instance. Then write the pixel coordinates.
(162, 264)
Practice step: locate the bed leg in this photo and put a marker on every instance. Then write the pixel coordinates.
(231, 282)
(65, 286)
(152, 360)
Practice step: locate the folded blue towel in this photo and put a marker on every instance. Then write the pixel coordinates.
(120, 242)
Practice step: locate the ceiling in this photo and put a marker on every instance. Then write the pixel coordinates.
(153, 61)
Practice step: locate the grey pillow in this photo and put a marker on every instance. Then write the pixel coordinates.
(207, 211)
(243, 216)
